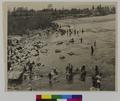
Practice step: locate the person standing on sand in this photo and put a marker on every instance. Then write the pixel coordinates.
(98, 81)
(98, 76)
(71, 68)
(67, 71)
(92, 50)
(83, 73)
(82, 31)
(94, 83)
(96, 70)
(81, 40)
(50, 78)
(31, 68)
(67, 68)
(55, 74)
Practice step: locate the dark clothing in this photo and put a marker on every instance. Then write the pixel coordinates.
(71, 69)
(9, 65)
(82, 31)
(69, 72)
(94, 83)
(67, 69)
(92, 50)
(81, 40)
(55, 71)
(96, 70)
(50, 78)
(83, 75)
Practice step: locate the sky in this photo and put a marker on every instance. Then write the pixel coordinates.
(58, 5)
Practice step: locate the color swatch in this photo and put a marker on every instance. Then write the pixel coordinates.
(58, 97)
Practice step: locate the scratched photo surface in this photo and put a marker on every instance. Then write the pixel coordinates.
(60, 46)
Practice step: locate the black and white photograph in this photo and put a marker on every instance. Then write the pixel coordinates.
(60, 46)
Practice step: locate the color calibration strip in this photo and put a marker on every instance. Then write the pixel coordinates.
(58, 97)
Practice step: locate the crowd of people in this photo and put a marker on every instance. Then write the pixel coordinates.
(70, 73)
(53, 75)
(96, 76)
(69, 31)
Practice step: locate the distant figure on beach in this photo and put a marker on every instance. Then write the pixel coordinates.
(30, 67)
(50, 78)
(92, 50)
(96, 70)
(96, 79)
(69, 72)
(55, 74)
(82, 31)
(93, 81)
(81, 40)
(83, 73)
(77, 32)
